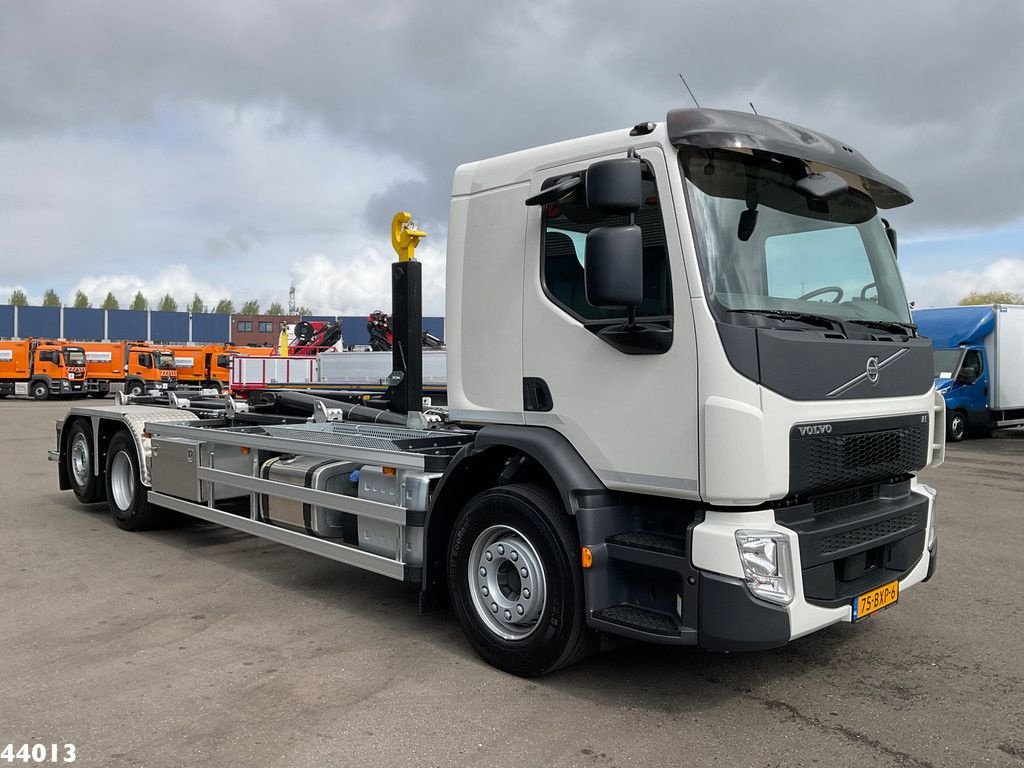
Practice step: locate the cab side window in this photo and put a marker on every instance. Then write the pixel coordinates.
(145, 360)
(564, 258)
(972, 367)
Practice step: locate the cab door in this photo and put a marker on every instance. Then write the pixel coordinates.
(632, 417)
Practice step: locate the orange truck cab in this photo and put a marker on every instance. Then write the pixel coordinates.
(41, 369)
(132, 367)
(207, 366)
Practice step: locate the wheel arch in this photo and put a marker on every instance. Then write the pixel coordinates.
(499, 455)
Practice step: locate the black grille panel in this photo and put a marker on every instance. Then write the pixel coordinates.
(839, 542)
(852, 454)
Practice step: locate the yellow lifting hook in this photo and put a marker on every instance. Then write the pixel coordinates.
(404, 236)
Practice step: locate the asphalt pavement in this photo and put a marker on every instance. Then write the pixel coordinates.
(203, 646)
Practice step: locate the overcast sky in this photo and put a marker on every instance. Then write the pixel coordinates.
(235, 147)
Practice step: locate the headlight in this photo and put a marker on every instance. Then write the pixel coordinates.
(767, 564)
(945, 389)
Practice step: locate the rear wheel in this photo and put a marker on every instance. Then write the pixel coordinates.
(87, 487)
(514, 583)
(956, 426)
(40, 390)
(126, 495)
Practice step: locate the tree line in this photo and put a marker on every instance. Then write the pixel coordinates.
(167, 303)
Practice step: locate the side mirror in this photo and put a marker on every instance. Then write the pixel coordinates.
(615, 186)
(614, 267)
(968, 375)
(891, 234)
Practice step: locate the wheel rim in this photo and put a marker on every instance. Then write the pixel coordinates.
(958, 425)
(41, 389)
(507, 582)
(80, 460)
(122, 480)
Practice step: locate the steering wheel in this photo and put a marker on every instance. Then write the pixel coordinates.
(866, 288)
(827, 289)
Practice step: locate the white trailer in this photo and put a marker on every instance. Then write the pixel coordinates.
(686, 405)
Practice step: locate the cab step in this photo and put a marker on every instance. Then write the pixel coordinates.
(657, 550)
(639, 619)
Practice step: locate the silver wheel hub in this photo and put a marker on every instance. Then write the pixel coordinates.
(122, 480)
(507, 582)
(80, 460)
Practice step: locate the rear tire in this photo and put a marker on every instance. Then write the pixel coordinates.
(511, 548)
(88, 487)
(126, 495)
(40, 390)
(956, 426)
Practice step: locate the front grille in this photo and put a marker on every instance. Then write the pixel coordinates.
(843, 499)
(839, 542)
(851, 454)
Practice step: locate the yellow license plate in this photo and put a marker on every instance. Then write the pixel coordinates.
(876, 600)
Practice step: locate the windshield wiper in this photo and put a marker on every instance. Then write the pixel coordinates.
(904, 329)
(785, 314)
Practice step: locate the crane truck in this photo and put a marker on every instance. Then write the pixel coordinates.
(686, 405)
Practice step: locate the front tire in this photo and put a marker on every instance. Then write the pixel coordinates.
(126, 494)
(136, 388)
(956, 426)
(87, 487)
(514, 583)
(40, 390)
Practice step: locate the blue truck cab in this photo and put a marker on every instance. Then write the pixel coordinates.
(967, 361)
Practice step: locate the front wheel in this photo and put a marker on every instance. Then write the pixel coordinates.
(956, 426)
(136, 388)
(87, 487)
(40, 390)
(514, 583)
(126, 495)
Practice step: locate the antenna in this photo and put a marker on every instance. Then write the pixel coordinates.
(752, 109)
(688, 89)
(292, 307)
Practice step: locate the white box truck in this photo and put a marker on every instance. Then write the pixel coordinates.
(686, 405)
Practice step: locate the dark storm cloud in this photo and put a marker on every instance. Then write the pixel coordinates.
(928, 90)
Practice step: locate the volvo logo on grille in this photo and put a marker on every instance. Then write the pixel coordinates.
(871, 369)
(815, 429)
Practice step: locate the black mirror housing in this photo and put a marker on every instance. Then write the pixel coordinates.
(891, 234)
(614, 268)
(615, 186)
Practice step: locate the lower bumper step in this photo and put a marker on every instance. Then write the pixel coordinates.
(639, 619)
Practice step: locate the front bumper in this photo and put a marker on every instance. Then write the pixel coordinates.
(698, 595)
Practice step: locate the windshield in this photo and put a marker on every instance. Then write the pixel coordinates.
(164, 360)
(766, 247)
(74, 357)
(947, 362)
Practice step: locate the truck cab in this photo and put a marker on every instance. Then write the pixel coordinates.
(41, 368)
(154, 366)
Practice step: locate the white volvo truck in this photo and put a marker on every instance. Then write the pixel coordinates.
(686, 405)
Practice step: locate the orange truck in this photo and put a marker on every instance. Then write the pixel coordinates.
(128, 366)
(41, 369)
(209, 365)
